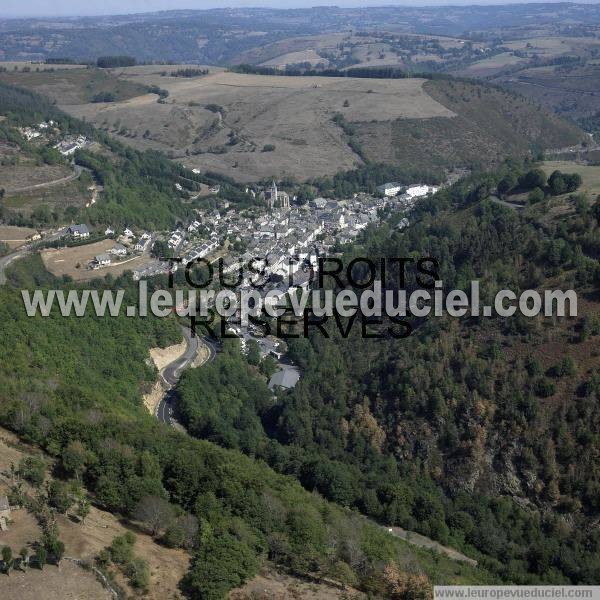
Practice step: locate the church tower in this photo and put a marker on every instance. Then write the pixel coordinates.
(273, 196)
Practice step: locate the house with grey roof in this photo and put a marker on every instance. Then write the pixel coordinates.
(79, 231)
(285, 379)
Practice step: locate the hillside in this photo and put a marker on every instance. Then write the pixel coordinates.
(252, 127)
(246, 513)
(224, 122)
(219, 35)
(489, 125)
(478, 432)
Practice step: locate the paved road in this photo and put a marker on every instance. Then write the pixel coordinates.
(511, 205)
(171, 374)
(5, 261)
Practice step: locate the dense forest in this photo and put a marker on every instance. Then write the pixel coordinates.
(73, 386)
(419, 432)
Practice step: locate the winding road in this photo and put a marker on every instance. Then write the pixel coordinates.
(5, 261)
(37, 186)
(171, 374)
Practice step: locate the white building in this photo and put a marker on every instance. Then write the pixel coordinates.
(418, 191)
(389, 189)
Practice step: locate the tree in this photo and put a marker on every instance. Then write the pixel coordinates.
(83, 509)
(121, 548)
(181, 533)
(155, 512)
(138, 572)
(507, 183)
(56, 548)
(7, 559)
(269, 366)
(33, 470)
(59, 496)
(572, 181)
(532, 179)
(41, 557)
(223, 563)
(24, 554)
(253, 355)
(74, 458)
(556, 183)
(536, 195)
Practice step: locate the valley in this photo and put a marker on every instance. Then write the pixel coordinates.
(272, 158)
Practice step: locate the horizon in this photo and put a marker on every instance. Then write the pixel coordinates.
(13, 9)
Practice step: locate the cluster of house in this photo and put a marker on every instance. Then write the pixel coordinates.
(126, 244)
(37, 131)
(70, 144)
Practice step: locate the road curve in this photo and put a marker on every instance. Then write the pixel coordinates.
(5, 261)
(38, 186)
(171, 374)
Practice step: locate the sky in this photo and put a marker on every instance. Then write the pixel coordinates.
(62, 8)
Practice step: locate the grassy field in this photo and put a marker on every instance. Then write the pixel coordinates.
(590, 175)
(294, 114)
(73, 86)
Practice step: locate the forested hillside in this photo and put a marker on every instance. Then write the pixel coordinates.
(66, 381)
(490, 125)
(482, 433)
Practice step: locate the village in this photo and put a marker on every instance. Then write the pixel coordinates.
(283, 240)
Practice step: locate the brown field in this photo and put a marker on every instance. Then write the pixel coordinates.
(328, 41)
(291, 58)
(73, 86)
(82, 541)
(15, 236)
(272, 585)
(64, 261)
(26, 173)
(492, 65)
(69, 582)
(292, 113)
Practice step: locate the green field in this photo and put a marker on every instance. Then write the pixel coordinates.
(590, 174)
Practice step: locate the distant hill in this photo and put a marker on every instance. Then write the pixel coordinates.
(490, 124)
(216, 36)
